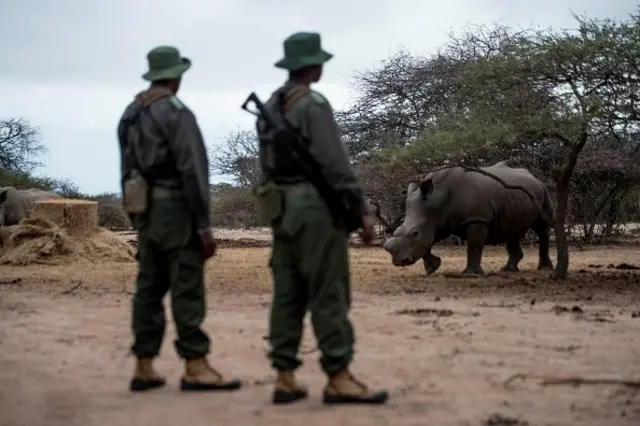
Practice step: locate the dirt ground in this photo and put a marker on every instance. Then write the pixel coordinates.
(445, 348)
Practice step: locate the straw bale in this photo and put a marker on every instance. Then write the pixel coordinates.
(77, 217)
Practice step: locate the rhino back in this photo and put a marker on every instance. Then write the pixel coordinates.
(517, 177)
(471, 198)
(476, 197)
(35, 194)
(514, 209)
(20, 203)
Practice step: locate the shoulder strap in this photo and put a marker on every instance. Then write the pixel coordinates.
(129, 147)
(154, 94)
(287, 99)
(294, 94)
(144, 100)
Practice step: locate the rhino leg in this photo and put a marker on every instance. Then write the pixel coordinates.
(476, 237)
(515, 256)
(431, 262)
(541, 228)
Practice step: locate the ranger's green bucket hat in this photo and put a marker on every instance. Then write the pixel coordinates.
(303, 50)
(165, 63)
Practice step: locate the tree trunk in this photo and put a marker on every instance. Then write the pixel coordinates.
(612, 218)
(592, 230)
(562, 263)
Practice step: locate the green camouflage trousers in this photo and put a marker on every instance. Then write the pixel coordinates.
(170, 259)
(310, 268)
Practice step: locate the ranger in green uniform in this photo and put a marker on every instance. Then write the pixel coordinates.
(165, 185)
(309, 260)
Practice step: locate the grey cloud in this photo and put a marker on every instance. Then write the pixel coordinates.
(231, 43)
(78, 40)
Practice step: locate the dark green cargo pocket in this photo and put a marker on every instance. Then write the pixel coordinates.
(271, 202)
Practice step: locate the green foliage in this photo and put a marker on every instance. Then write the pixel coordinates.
(25, 180)
(455, 136)
(218, 189)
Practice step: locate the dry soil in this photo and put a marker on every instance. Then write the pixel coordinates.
(445, 348)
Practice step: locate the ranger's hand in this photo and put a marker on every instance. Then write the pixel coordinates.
(368, 233)
(208, 242)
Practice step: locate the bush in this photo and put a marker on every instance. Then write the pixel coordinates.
(110, 212)
(235, 208)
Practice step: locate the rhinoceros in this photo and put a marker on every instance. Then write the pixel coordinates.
(16, 204)
(477, 208)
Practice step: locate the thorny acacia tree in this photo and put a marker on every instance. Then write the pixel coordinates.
(397, 101)
(238, 157)
(20, 144)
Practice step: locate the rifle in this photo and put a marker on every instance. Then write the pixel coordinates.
(288, 136)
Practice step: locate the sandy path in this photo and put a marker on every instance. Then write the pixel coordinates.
(442, 347)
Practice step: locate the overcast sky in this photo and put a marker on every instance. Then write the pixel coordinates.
(71, 66)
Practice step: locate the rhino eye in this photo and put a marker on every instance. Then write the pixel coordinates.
(415, 233)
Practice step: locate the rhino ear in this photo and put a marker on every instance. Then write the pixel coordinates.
(426, 187)
(435, 197)
(3, 196)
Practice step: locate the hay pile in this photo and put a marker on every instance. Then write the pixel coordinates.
(40, 240)
(77, 217)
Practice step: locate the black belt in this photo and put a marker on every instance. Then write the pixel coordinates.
(289, 180)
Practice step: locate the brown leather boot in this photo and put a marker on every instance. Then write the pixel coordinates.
(287, 389)
(145, 376)
(343, 388)
(200, 376)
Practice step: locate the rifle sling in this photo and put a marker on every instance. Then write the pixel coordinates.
(290, 97)
(144, 99)
(294, 95)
